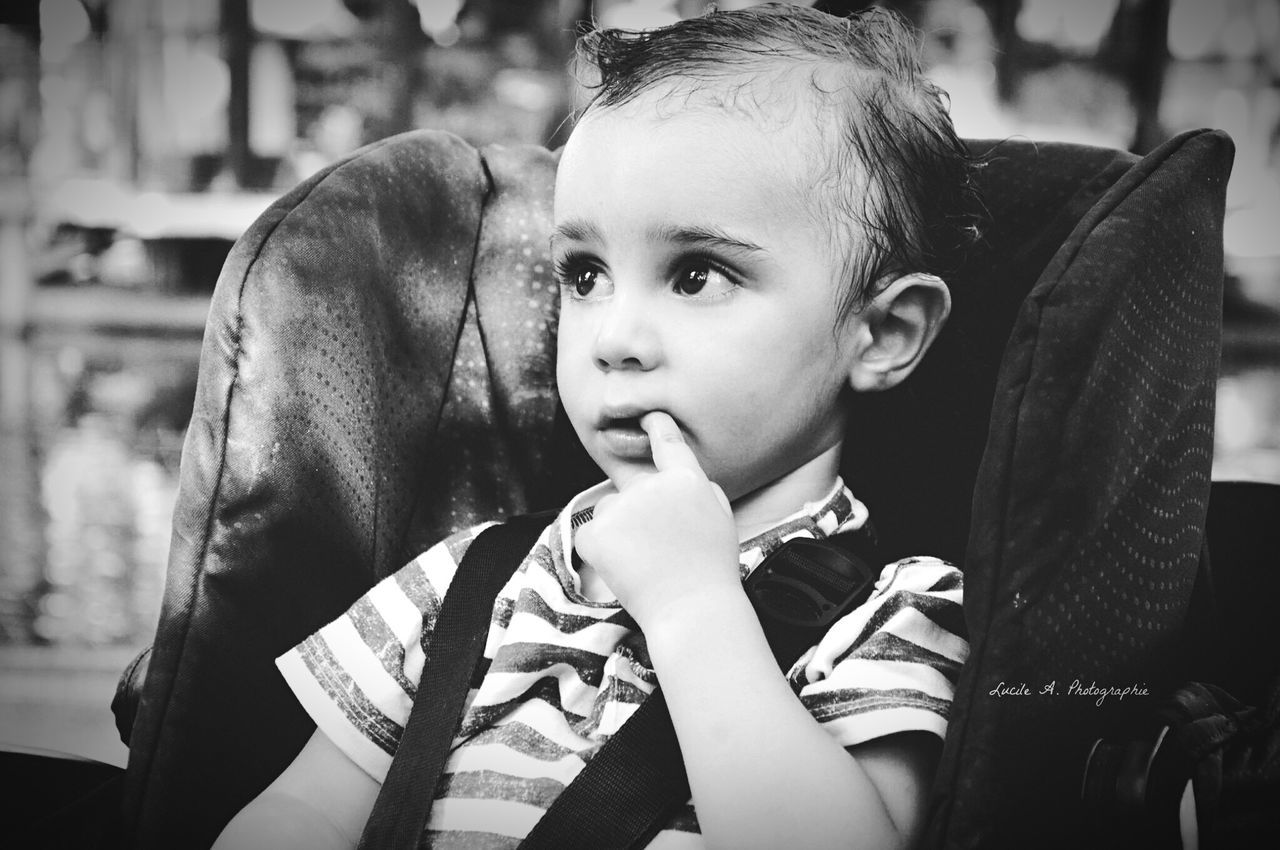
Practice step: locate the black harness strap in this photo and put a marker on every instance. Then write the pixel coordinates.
(400, 812)
(626, 792)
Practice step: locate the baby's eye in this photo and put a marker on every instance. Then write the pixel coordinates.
(702, 279)
(583, 282)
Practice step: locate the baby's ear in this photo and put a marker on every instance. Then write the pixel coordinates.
(892, 333)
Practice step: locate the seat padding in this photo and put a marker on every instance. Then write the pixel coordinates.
(378, 370)
(1089, 508)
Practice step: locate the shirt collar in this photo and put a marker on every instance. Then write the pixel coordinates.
(838, 511)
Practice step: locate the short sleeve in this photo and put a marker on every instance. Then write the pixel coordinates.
(891, 665)
(357, 676)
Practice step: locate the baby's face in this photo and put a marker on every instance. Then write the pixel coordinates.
(694, 281)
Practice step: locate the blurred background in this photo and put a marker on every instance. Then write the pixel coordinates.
(139, 138)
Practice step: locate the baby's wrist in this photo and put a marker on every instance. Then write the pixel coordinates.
(687, 627)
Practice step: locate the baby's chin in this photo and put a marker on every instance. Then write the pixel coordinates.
(622, 474)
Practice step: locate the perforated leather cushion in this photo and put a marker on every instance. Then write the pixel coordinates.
(1089, 509)
(374, 342)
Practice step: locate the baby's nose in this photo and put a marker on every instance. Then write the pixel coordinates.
(625, 337)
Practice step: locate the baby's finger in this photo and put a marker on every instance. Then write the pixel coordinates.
(603, 505)
(722, 498)
(670, 451)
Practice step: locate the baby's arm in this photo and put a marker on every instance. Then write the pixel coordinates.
(321, 800)
(762, 771)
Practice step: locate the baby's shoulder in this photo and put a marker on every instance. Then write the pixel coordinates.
(437, 565)
(920, 574)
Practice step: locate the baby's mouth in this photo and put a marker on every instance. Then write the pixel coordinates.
(624, 437)
(621, 423)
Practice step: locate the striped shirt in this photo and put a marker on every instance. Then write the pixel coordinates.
(561, 672)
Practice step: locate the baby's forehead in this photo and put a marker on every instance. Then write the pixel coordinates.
(783, 107)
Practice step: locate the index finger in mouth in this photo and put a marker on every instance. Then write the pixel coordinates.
(670, 451)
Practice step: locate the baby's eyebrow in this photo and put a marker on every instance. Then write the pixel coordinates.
(575, 230)
(686, 235)
(703, 237)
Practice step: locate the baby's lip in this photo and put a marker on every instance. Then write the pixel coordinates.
(623, 417)
(622, 436)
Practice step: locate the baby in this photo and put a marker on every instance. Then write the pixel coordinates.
(750, 219)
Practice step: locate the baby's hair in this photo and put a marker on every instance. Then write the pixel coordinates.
(896, 174)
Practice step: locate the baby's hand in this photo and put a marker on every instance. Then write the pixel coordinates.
(667, 541)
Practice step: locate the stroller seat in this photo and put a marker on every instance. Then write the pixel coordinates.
(378, 370)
